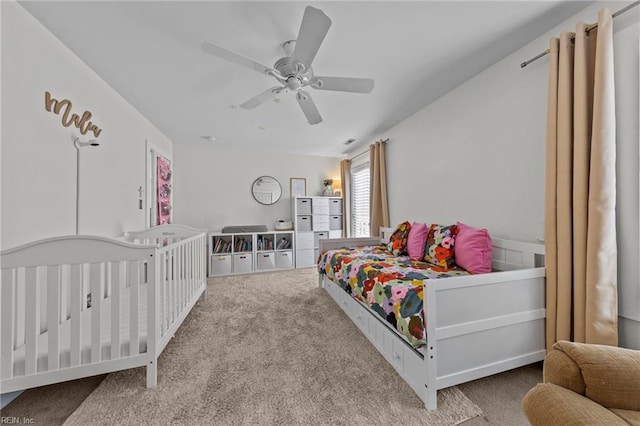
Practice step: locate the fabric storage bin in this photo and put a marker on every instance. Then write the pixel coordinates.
(242, 262)
(220, 265)
(284, 259)
(320, 206)
(320, 223)
(319, 236)
(303, 223)
(335, 223)
(335, 206)
(303, 205)
(266, 261)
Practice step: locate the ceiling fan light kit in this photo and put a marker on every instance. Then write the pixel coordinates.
(293, 71)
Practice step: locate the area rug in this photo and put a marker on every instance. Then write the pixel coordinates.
(268, 349)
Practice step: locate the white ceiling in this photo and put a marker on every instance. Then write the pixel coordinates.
(150, 52)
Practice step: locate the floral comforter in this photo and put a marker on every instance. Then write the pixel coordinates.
(389, 285)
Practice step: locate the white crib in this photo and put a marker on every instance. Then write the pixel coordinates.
(78, 306)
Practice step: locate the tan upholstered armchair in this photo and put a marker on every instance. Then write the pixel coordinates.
(586, 385)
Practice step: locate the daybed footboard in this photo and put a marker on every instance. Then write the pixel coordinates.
(476, 325)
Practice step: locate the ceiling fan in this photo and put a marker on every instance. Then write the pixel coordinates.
(294, 71)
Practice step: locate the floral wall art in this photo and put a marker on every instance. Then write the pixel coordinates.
(163, 179)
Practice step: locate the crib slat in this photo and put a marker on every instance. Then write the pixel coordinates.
(170, 277)
(134, 286)
(117, 278)
(42, 303)
(53, 314)
(8, 318)
(201, 271)
(95, 283)
(190, 263)
(65, 293)
(19, 306)
(188, 268)
(174, 284)
(194, 267)
(32, 323)
(76, 306)
(162, 289)
(180, 279)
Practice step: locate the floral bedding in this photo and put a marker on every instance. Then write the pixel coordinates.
(389, 285)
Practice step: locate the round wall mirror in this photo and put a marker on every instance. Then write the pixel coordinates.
(266, 190)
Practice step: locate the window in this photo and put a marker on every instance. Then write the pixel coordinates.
(360, 177)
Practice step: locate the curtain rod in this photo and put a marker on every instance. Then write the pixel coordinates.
(587, 29)
(367, 151)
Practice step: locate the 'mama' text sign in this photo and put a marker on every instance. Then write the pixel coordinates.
(81, 122)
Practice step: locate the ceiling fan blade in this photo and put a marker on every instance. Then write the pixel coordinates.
(313, 29)
(308, 107)
(230, 56)
(343, 84)
(265, 96)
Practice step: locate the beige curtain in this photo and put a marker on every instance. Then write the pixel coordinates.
(580, 192)
(379, 209)
(345, 178)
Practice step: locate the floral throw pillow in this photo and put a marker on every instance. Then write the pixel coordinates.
(398, 241)
(440, 245)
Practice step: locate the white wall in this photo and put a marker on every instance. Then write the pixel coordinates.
(212, 187)
(38, 157)
(477, 154)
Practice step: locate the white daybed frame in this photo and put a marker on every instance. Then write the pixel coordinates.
(50, 335)
(476, 325)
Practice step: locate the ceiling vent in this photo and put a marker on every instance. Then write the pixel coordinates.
(349, 141)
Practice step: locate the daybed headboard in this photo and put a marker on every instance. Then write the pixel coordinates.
(385, 234)
(507, 255)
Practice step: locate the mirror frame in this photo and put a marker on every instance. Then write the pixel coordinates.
(253, 190)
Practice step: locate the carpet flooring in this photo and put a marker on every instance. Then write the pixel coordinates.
(268, 349)
(498, 396)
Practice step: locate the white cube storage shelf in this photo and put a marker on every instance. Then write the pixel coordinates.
(248, 252)
(315, 218)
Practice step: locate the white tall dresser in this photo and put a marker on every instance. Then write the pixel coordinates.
(315, 218)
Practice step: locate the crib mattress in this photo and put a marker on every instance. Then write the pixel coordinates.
(85, 330)
(392, 286)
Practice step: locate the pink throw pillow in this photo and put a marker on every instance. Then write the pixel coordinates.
(473, 249)
(417, 240)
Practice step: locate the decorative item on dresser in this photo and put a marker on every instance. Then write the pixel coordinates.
(240, 252)
(315, 218)
(328, 190)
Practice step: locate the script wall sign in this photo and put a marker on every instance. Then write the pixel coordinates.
(81, 122)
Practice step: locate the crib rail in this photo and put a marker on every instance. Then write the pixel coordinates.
(163, 235)
(73, 306)
(182, 269)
